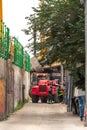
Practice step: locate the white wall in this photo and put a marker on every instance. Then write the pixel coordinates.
(78, 92)
(21, 77)
(17, 85)
(26, 82)
(2, 68)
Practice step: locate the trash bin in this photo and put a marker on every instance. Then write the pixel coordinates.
(81, 106)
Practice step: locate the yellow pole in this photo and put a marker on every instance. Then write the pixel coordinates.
(0, 19)
(0, 10)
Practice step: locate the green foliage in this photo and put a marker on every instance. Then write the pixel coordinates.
(62, 25)
(20, 105)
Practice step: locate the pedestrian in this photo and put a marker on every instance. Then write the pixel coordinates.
(50, 96)
(56, 96)
(60, 94)
(81, 107)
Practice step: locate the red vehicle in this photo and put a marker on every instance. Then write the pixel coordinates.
(41, 90)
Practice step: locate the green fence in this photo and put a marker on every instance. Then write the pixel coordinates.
(18, 53)
(4, 41)
(27, 62)
(21, 58)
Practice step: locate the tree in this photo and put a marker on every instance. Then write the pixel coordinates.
(62, 26)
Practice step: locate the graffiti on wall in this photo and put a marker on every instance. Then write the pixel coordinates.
(2, 96)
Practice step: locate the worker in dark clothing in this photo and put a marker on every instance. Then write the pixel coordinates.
(60, 94)
(50, 96)
(56, 95)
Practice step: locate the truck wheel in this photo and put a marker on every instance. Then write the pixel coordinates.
(55, 98)
(74, 110)
(44, 100)
(77, 108)
(35, 99)
(30, 93)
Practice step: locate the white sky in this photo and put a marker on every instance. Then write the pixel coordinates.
(14, 13)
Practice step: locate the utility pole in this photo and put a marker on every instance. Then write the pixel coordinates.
(34, 35)
(62, 74)
(0, 20)
(0, 10)
(5, 63)
(85, 4)
(86, 61)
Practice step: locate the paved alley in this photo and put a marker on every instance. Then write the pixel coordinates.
(42, 117)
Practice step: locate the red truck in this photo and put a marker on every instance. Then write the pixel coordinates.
(41, 90)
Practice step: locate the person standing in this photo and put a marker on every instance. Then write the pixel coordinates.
(50, 96)
(60, 93)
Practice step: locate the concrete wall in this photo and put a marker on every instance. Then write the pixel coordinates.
(2, 89)
(12, 79)
(2, 68)
(26, 82)
(21, 78)
(17, 85)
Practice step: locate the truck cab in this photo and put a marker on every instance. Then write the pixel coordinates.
(41, 89)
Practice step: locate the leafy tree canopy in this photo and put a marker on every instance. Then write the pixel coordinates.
(60, 26)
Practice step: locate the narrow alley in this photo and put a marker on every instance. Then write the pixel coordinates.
(43, 55)
(41, 116)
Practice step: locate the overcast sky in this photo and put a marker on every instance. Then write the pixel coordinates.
(14, 13)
